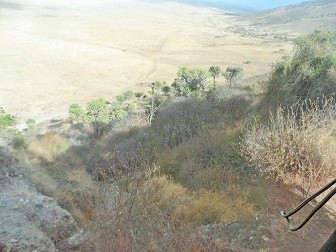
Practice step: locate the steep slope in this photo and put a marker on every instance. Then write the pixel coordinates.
(299, 18)
(29, 220)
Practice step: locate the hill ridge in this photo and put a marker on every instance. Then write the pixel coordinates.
(302, 17)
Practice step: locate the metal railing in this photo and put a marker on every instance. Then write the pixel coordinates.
(330, 245)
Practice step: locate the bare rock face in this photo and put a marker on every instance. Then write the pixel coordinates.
(29, 221)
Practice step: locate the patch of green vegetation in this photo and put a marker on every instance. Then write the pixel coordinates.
(308, 73)
(190, 82)
(15, 137)
(129, 94)
(18, 139)
(98, 113)
(31, 124)
(6, 120)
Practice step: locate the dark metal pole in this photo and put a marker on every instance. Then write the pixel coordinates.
(311, 214)
(330, 244)
(305, 202)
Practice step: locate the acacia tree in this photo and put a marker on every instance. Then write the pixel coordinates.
(215, 73)
(233, 73)
(97, 113)
(190, 82)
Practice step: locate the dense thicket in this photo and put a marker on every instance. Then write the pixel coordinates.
(308, 73)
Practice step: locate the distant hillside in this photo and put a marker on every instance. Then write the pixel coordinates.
(303, 17)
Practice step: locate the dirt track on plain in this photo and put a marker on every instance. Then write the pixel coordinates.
(55, 53)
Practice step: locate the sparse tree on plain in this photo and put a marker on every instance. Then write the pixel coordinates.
(215, 72)
(6, 119)
(233, 73)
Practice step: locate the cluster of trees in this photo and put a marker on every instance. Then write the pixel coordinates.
(9, 132)
(98, 113)
(189, 83)
(193, 82)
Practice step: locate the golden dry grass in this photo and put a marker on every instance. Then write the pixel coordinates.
(48, 148)
(216, 207)
(297, 145)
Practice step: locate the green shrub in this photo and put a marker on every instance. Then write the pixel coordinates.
(128, 94)
(166, 90)
(18, 140)
(139, 94)
(31, 123)
(308, 73)
(6, 120)
(130, 106)
(121, 98)
(98, 113)
(190, 82)
(118, 113)
(77, 114)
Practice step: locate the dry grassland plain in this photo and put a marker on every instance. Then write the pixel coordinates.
(55, 53)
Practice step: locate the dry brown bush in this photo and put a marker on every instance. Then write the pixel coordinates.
(209, 161)
(234, 108)
(209, 207)
(183, 119)
(136, 215)
(48, 148)
(298, 143)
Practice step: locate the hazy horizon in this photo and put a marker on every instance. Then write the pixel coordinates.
(243, 4)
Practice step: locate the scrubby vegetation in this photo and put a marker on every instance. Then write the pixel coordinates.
(309, 73)
(190, 82)
(6, 119)
(97, 113)
(163, 163)
(9, 132)
(297, 143)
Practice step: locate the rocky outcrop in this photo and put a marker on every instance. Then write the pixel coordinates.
(31, 221)
(252, 235)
